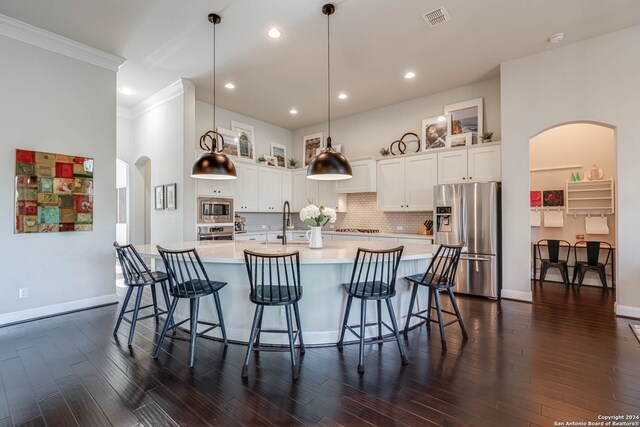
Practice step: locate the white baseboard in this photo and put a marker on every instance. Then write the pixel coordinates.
(51, 310)
(517, 295)
(628, 311)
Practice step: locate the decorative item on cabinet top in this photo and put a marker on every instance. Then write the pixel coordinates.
(54, 192)
(402, 143)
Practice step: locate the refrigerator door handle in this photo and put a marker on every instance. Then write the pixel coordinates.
(475, 258)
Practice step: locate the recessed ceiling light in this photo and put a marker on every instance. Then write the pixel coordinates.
(293, 111)
(556, 38)
(410, 75)
(126, 90)
(230, 86)
(442, 118)
(343, 96)
(274, 33)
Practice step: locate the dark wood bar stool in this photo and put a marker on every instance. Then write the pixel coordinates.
(189, 280)
(439, 277)
(373, 278)
(554, 260)
(274, 281)
(138, 276)
(592, 263)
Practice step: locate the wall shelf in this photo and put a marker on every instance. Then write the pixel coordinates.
(590, 197)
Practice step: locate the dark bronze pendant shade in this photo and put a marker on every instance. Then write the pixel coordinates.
(329, 165)
(213, 164)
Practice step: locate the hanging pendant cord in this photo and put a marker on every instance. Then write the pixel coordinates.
(328, 80)
(214, 149)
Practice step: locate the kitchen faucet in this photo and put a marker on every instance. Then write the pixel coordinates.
(286, 218)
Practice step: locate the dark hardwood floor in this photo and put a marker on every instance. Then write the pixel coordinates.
(564, 358)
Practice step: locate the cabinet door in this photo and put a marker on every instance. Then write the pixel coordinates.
(299, 178)
(484, 164)
(287, 187)
(327, 194)
(275, 191)
(248, 185)
(363, 181)
(311, 191)
(421, 174)
(391, 185)
(452, 167)
(264, 190)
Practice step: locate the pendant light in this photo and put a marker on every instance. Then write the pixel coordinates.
(329, 165)
(213, 164)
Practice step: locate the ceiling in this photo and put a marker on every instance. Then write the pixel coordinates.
(374, 43)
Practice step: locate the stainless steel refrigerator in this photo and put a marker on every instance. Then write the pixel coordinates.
(470, 213)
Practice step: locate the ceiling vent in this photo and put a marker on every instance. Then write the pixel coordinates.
(436, 17)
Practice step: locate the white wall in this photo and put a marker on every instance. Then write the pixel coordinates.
(264, 133)
(53, 103)
(595, 80)
(573, 144)
(364, 134)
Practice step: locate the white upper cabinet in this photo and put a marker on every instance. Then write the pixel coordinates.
(406, 184)
(246, 199)
(391, 183)
(452, 167)
(421, 175)
(269, 189)
(216, 187)
(328, 196)
(364, 178)
(287, 187)
(297, 198)
(484, 164)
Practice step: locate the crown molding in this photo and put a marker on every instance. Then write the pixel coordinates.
(165, 95)
(44, 39)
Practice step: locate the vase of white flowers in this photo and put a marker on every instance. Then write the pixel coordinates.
(316, 217)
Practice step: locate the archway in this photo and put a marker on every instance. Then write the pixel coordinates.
(573, 197)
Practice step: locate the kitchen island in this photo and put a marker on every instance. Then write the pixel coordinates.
(322, 271)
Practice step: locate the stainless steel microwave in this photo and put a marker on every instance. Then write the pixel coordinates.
(215, 210)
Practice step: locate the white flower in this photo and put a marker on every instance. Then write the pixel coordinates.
(331, 213)
(310, 212)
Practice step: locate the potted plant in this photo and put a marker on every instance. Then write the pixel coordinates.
(486, 136)
(316, 217)
(293, 163)
(262, 159)
(385, 152)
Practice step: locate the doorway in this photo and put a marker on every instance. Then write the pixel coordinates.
(572, 199)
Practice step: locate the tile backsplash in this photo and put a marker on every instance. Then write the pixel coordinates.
(361, 213)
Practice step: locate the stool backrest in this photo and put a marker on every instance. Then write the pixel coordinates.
(184, 268)
(443, 266)
(553, 247)
(593, 251)
(373, 266)
(134, 269)
(274, 271)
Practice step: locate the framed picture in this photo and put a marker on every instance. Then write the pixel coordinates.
(435, 131)
(337, 148)
(553, 198)
(246, 139)
(310, 143)
(466, 117)
(535, 198)
(279, 151)
(230, 144)
(459, 140)
(271, 160)
(170, 196)
(159, 197)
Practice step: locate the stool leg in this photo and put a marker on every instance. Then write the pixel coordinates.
(583, 272)
(154, 297)
(296, 310)
(455, 308)
(411, 303)
(165, 295)
(379, 304)
(216, 298)
(122, 310)
(575, 274)
(195, 308)
(256, 344)
(136, 309)
(252, 337)
(429, 302)
(165, 328)
(344, 322)
(292, 344)
(565, 274)
(436, 295)
(543, 272)
(396, 332)
(603, 277)
(363, 320)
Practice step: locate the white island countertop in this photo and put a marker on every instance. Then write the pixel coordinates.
(333, 252)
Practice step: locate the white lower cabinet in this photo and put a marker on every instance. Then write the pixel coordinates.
(406, 184)
(348, 237)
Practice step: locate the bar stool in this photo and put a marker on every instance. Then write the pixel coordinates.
(137, 275)
(553, 247)
(593, 263)
(440, 276)
(373, 278)
(274, 281)
(189, 280)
